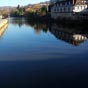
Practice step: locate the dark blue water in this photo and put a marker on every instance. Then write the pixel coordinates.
(37, 56)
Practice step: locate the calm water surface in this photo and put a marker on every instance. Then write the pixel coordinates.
(40, 56)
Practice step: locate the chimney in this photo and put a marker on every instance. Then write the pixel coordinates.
(73, 2)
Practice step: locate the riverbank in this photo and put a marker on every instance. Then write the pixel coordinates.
(47, 19)
(37, 18)
(3, 22)
(79, 24)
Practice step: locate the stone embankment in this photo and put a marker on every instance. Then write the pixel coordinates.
(3, 22)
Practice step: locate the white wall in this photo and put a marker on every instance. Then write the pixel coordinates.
(79, 8)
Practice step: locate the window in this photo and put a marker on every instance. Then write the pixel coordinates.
(60, 9)
(81, 7)
(69, 3)
(64, 9)
(78, 7)
(61, 4)
(66, 4)
(68, 9)
(55, 10)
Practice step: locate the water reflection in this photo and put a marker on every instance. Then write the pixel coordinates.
(17, 21)
(39, 27)
(72, 36)
(40, 61)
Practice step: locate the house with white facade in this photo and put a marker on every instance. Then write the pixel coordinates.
(67, 8)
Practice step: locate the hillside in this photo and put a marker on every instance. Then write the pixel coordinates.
(5, 10)
(35, 7)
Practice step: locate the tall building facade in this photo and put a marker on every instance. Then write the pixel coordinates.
(67, 8)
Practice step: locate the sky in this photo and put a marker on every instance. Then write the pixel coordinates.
(21, 2)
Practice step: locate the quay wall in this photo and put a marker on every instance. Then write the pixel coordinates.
(3, 22)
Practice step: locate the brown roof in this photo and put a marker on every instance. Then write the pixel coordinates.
(72, 2)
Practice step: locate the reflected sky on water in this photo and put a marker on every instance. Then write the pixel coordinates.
(33, 41)
(43, 56)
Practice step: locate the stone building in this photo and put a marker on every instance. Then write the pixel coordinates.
(67, 8)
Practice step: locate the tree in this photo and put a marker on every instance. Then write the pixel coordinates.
(44, 9)
(19, 11)
(18, 7)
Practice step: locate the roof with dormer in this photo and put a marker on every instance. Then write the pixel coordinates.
(71, 2)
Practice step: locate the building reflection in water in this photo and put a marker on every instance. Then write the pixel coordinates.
(2, 30)
(72, 36)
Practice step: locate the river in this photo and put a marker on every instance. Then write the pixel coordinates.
(42, 56)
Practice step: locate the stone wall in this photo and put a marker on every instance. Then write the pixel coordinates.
(62, 15)
(3, 22)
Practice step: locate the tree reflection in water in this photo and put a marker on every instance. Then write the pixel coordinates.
(73, 35)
